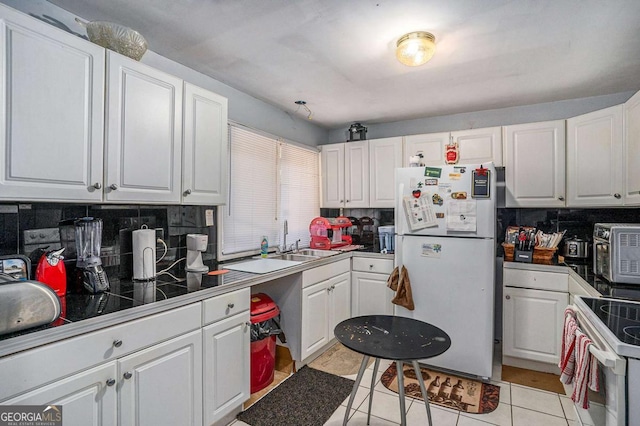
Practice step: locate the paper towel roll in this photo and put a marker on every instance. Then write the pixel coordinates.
(144, 254)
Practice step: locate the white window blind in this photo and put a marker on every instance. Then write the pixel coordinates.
(299, 190)
(270, 181)
(251, 211)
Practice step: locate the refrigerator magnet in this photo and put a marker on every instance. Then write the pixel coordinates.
(480, 183)
(432, 172)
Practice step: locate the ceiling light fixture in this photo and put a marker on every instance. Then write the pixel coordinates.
(415, 48)
(304, 104)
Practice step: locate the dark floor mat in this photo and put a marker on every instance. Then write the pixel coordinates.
(309, 397)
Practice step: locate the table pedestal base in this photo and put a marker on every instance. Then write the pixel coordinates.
(403, 412)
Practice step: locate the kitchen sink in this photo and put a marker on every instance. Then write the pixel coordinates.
(296, 257)
(317, 253)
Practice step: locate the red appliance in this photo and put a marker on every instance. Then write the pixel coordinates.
(263, 350)
(51, 271)
(327, 233)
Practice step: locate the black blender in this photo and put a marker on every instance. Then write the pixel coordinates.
(88, 239)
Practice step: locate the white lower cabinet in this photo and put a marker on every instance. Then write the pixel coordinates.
(324, 305)
(226, 366)
(369, 292)
(162, 385)
(533, 318)
(126, 391)
(87, 398)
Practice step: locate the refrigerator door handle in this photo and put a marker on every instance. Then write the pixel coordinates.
(400, 209)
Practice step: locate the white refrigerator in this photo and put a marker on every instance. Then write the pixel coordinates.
(445, 223)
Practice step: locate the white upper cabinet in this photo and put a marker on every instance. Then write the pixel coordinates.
(332, 165)
(144, 133)
(385, 155)
(430, 146)
(632, 150)
(534, 160)
(595, 158)
(345, 175)
(204, 156)
(477, 146)
(356, 174)
(52, 119)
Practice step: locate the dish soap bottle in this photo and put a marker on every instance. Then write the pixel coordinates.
(264, 246)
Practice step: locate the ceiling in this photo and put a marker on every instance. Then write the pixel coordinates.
(338, 55)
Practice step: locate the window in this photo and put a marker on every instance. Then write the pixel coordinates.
(271, 181)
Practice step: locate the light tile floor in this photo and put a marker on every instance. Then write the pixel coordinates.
(519, 406)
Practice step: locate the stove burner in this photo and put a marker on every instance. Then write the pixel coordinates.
(625, 311)
(632, 331)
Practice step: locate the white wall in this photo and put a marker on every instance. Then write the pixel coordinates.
(243, 108)
(495, 117)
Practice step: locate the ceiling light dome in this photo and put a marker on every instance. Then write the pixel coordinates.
(416, 48)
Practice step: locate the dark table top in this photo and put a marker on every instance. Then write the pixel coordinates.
(392, 337)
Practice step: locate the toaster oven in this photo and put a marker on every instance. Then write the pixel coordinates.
(616, 252)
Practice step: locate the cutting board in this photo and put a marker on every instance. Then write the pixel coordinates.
(262, 266)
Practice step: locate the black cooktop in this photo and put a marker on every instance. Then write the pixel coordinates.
(602, 286)
(620, 316)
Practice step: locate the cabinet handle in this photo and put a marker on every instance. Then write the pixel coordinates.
(127, 375)
(561, 198)
(97, 185)
(111, 382)
(342, 201)
(370, 266)
(113, 187)
(187, 192)
(230, 305)
(618, 196)
(507, 297)
(117, 343)
(347, 201)
(248, 323)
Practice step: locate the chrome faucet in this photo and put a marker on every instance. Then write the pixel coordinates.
(298, 241)
(285, 231)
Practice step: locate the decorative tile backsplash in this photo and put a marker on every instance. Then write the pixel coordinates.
(27, 227)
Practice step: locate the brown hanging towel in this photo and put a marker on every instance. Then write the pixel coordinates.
(403, 294)
(392, 281)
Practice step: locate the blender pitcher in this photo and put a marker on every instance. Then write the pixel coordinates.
(88, 240)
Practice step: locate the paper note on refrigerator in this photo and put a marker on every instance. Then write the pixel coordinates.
(419, 212)
(461, 215)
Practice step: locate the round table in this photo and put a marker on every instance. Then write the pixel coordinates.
(395, 338)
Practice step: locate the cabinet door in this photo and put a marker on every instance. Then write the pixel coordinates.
(478, 146)
(332, 165)
(370, 294)
(204, 157)
(144, 133)
(53, 106)
(226, 366)
(162, 385)
(385, 155)
(532, 322)
(430, 145)
(315, 318)
(535, 164)
(594, 158)
(339, 300)
(87, 398)
(356, 174)
(632, 150)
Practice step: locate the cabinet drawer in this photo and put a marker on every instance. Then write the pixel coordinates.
(225, 305)
(36, 367)
(541, 280)
(369, 264)
(322, 273)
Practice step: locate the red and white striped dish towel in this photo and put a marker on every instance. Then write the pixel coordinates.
(567, 354)
(586, 374)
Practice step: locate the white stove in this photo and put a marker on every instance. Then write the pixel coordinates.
(614, 327)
